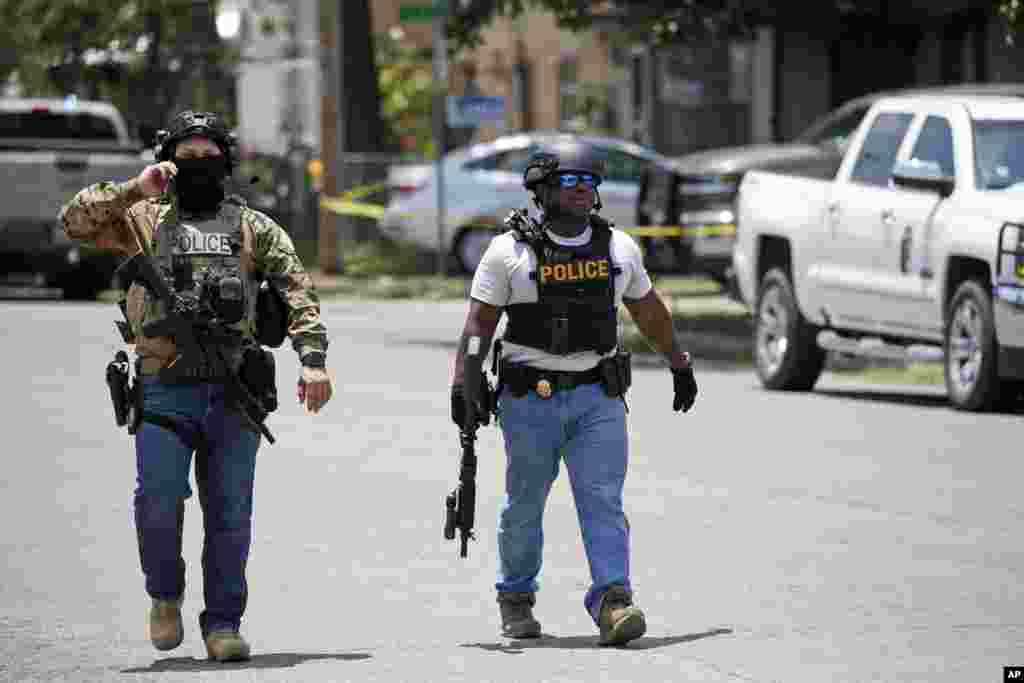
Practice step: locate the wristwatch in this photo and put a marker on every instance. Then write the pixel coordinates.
(315, 359)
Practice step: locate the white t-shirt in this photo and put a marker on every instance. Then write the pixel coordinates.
(503, 278)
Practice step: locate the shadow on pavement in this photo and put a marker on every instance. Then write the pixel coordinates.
(549, 642)
(281, 660)
(934, 398)
(904, 398)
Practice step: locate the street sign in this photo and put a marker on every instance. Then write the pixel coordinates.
(472, 110)
(420, 13)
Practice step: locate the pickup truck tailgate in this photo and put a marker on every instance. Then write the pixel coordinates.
(38, 183)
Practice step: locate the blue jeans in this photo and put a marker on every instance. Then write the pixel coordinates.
(224, 473)
(587, 429)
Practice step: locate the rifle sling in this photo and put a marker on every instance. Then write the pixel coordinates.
(194, 441)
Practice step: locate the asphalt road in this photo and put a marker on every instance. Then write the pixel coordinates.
(852, 534)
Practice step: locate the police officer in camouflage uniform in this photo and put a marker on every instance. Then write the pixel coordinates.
(196, 232)
(562, 381)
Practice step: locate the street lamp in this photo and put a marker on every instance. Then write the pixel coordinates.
(229, 22)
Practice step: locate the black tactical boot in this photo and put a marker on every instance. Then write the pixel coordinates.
(620, 621)
(517, 615)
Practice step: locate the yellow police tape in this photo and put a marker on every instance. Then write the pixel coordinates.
(344, 205)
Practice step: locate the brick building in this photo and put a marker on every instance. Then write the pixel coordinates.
(699, 96)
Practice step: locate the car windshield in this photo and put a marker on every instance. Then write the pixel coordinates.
(998, 153)
(55, 125)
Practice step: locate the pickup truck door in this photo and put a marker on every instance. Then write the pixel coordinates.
(907, 289)
(858, 218)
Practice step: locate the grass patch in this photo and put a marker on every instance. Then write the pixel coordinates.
(431, 287)
(922, 374)
(680, 285)
(384, 258)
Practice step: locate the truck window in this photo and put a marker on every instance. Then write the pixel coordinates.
(999, 153)
(878, 153)
(935, 143)
(55, 125)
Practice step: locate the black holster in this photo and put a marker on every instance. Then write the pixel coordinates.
(271, 317)
(616, 374)
(118, 381)
(259, 375)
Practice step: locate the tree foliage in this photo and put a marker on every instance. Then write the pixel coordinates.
(406, 84)
(1012, 12)
(662, 22)
(148, 57)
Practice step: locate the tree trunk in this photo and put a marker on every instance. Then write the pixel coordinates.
(363, 132)
(364, 126)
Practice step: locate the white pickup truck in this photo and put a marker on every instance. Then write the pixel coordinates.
(49, 150)
(914, 251)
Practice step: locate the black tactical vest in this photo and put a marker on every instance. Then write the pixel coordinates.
(575, 310)
(204, 259)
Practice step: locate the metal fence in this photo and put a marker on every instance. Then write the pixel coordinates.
(282, 187)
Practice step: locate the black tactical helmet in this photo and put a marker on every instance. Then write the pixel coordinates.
(189, 123)
(561, 156)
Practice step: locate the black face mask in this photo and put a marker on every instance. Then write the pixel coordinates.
(199, 183)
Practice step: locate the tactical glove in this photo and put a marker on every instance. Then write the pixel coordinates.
(483, 404)
(685, 387)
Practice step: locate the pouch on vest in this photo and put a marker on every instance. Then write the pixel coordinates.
(271, 317)
(259, 375)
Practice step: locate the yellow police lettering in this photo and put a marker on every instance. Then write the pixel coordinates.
(591, 268)
(602, 269)
(545, 273)
(560, 271)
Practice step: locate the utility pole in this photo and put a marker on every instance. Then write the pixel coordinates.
(294, 121)
(332, 140)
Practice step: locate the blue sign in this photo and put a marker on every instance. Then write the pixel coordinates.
(472, 110)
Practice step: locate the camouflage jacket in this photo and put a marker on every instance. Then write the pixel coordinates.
(99, 215)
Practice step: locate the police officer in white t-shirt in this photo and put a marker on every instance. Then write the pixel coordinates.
(562, 381)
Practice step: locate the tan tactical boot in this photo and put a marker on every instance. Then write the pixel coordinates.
(165, 628)
(226, 646)
(517, 615)
(620, 621)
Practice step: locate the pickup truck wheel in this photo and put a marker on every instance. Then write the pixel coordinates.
(972, 375)
(786, 353)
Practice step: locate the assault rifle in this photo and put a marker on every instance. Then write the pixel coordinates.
(460, 504)
(180, 323)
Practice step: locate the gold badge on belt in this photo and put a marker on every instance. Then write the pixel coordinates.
(544, 388)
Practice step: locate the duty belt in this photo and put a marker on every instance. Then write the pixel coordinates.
(522, 378)
(205, 372)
